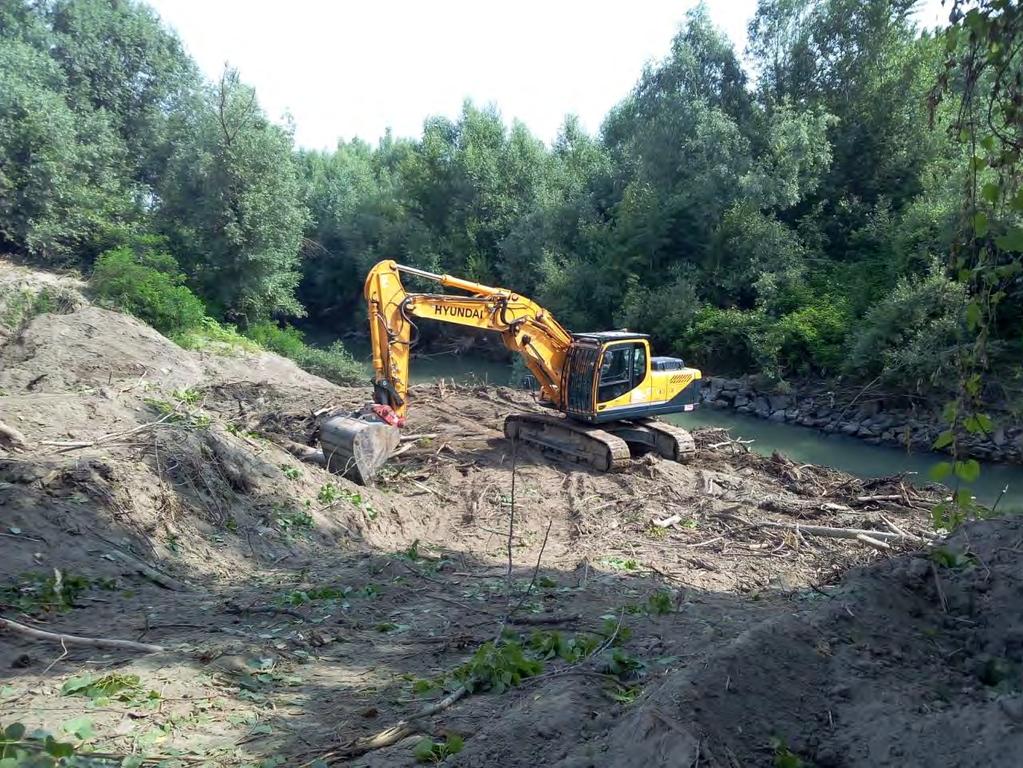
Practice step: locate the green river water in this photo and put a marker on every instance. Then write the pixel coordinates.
(801, 444)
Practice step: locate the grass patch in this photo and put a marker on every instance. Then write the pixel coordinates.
(49, 593)
(211, 336)
(19, 304)
(335, 363)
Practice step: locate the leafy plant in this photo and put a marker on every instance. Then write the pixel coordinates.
(946, 558)
(289, 519)
(785, 757)
(621, 664)
(422, 685)
(214, 336)
(38, 749)
(429, 751)
(552, 644)
(329, 493)
(126, 688)
(660, 602)
(187, 396)
(292, 473)
(35, 592)
(624, 694)
(497, 668)
(615, 630)
(303, 596)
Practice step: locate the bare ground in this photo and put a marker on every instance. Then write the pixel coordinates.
(301, 613)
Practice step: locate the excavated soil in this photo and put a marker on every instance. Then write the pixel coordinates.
(300, 613)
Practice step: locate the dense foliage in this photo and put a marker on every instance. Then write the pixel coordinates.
(794, 216)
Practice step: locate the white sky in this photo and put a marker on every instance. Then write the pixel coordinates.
(345, 69)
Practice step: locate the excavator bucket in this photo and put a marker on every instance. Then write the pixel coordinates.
(357, 448)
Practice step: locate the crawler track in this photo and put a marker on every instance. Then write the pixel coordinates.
(570, 440)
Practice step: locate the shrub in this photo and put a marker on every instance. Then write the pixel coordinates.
(666, 313)
(209, 334)
(811, 339)
(334, 363)
(148, 286)
(732, 341)
(909, 336)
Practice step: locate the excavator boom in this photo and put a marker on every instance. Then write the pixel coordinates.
(524, 326)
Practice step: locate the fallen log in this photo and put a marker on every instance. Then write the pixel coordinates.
(838, 533)
(873, 542)
(65, 639)
(301, 452)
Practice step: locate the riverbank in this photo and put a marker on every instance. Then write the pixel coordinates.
(875, 420)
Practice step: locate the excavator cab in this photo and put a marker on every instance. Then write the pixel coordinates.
(612, 376)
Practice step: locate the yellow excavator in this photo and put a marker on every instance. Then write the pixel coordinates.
(607, 385)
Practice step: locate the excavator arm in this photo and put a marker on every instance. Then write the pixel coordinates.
(525, 327)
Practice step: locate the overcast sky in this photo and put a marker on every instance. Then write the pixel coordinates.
(345, 69)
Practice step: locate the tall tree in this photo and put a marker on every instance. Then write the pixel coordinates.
(62, 185)
(119, 59)
(232, 206)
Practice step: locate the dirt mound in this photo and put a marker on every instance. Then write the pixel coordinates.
(92, 348)
(683, 614)
(912, 662)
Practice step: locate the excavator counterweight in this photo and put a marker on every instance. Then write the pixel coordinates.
(607, 386)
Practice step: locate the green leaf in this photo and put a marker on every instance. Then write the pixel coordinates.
(944, 440)
(964, 498)
(968, 471)
(978, 423)
(940, 471)
(58, 748)
(973, 315)
(1009, 270)
(990, 192)
(76, 684)
(1017, 201)
(14, 732)
(424, 750)
(980, 223)
(422, 686)
(133, 761)
(1011, 240)
(80, 728)
(454, 744)
(950, 412)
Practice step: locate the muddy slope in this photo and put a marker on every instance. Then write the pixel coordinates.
(152, 500)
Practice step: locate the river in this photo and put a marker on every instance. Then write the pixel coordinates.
(801, 444)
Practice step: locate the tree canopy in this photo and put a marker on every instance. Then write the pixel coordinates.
(783, 212)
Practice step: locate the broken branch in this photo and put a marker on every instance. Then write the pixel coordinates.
(65, 639)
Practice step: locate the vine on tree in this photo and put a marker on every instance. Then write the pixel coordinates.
(983, 79)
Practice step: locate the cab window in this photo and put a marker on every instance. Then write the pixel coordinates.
(623, 367)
